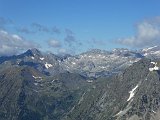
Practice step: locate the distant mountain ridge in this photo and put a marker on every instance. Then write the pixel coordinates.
(93, 63)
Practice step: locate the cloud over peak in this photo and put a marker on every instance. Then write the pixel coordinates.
(54, 43)
(147, 34)
(11, 44)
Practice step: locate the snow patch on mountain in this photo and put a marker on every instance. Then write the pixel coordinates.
(132, 93)
(81, 99)
(151, 52)
(32, 58)
(36, 84)
(47, 65)
(41, 58)
(155, 68)
(89, 81)
(122, 112)
(147, 49)
(36, 77)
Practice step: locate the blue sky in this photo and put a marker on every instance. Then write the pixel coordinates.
(75, 26)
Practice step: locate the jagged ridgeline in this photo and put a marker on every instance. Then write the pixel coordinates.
(94, 63)
(38, 86)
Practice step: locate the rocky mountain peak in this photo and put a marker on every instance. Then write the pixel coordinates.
(33, 52)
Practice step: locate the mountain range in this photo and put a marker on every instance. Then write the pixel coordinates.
(120, 84)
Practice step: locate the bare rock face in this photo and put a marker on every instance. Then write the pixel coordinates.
(27, 94)
(131, 95)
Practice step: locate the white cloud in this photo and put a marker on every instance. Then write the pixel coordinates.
(11, 44)
(54, 43)
(147, 34)
(62, 51)
(42, 28)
